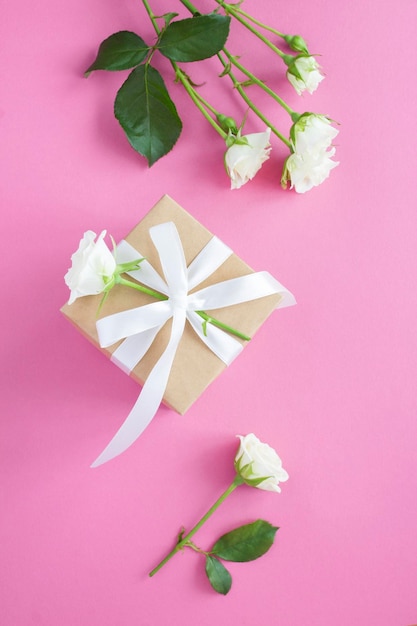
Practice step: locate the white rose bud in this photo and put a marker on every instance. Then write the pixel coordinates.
(258, 464)
(244, 160)
(93, 267)
(304, 74)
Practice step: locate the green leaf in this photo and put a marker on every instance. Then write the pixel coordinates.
(194, 38)
(219, 577)
(120, 51)
(246, 543)
(147, 114)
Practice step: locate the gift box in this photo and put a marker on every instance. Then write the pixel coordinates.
(194, 364)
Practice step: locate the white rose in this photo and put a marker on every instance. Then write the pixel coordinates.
(304, 74)
(258, 464)
(93, 266)
(309, 169)
(243, 161)
(311, 161)
(313, 133)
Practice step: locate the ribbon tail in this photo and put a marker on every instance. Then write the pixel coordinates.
(239, 290)
(133, 349)
(150, 398)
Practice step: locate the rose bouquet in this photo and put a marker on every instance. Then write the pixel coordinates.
(150, 119)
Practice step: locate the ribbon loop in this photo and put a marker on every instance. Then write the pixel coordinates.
(118, 326)
(236, 291)
(171, 254)
(146, 275)
(211, 257)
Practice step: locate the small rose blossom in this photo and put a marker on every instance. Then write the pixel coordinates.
(311, 160)
(313, 133)
(93, 266)
(258, 464)
(244, 160)
(309, 169)
(304, 74)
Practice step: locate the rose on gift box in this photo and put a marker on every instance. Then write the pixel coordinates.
(174, 360)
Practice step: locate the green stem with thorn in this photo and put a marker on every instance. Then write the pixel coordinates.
(184, 541)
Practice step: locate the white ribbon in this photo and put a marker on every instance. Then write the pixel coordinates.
(139, 326)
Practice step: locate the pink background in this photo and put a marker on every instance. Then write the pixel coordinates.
(329, 383)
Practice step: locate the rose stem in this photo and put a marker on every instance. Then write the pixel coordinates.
(180, 544)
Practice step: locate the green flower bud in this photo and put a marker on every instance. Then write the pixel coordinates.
(228, 124)
(297, 43)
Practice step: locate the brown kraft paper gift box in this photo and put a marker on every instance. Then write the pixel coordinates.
(195, 366)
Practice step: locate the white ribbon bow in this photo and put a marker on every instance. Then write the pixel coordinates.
(139, 326)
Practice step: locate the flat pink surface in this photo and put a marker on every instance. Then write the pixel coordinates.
(329, 383)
